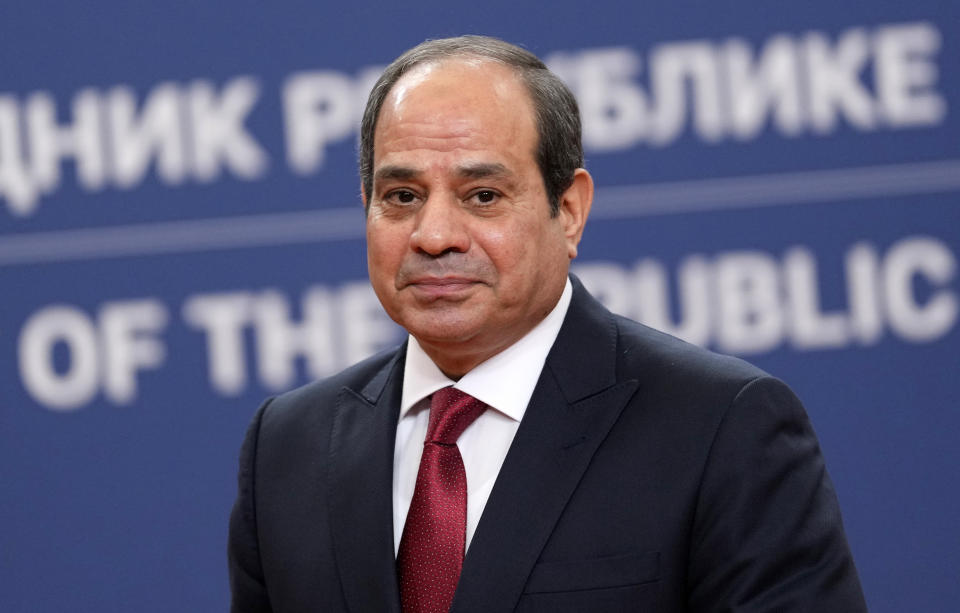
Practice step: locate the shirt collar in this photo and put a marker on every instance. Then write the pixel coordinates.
(504, 381)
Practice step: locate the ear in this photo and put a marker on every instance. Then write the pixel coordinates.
(363, 197)
(574, 207)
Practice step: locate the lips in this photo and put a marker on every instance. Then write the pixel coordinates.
(441, 287)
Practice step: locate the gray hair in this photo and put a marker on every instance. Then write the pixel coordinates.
(559, 148)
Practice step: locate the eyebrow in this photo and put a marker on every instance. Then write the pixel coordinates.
(479, 170)
(482, 170)
(402, 173)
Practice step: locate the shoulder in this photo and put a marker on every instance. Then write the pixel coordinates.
(694, 391)
(312, 400)
(598, 348)
(640, 352)
(653, 355)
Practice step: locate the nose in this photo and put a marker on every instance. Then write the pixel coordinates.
(441, 226)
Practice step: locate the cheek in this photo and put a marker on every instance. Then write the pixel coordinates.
(511, 249)
(501, 244)
(385, 249)
(536, 255)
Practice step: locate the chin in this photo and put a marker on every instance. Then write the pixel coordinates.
(433, 329)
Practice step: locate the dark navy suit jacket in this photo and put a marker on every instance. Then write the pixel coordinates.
(647, 475)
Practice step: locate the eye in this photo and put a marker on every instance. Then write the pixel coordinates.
(485, 196)
(401, 196)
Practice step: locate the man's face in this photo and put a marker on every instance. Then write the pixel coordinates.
(461, 247)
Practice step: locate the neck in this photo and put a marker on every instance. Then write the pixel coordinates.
(455, 363)
(457, 358)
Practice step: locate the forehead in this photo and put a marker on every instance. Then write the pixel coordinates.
(453, 104)
(458, 76)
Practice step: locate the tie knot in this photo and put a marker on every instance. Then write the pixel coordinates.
(451, 411)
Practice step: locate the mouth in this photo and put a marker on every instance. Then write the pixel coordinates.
(441, 287)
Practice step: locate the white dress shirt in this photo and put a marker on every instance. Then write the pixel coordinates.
(505, 382)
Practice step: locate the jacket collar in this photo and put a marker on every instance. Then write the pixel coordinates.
(360, 492)
(575, 403)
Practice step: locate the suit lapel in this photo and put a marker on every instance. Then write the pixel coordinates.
(576, 402)
(361, 490)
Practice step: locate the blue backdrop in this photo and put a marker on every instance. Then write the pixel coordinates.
(181, 236)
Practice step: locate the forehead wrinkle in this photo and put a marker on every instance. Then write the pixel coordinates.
(419, 143)
(434, 131)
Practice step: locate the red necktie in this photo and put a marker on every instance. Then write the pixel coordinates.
(432, 545)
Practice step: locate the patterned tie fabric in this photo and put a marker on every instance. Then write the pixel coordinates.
(432, 546)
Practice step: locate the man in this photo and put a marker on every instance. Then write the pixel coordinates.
(582, 461)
